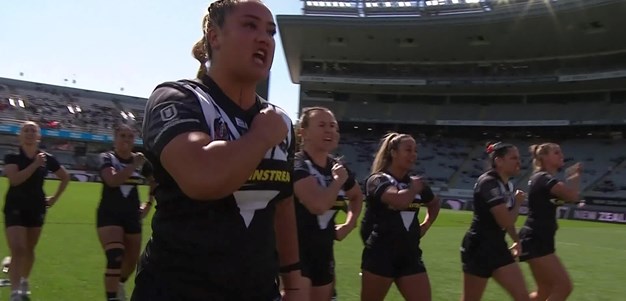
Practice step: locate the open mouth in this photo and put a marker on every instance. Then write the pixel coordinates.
(328, 139)
(260, 56)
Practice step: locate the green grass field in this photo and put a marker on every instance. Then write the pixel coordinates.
(70, 262)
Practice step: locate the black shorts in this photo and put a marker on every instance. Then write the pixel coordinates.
(392, 261)
(130, 221)
(536, 243)
(152, 286)
(29, 218)
(482, 256)
(318, 264)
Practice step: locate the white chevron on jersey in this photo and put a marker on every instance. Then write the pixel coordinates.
(118, 166)
(323, 219)
(248, 201)
(126, 189)
(408, 217)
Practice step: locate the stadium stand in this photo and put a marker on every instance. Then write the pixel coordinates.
(65, 108)
(495, 76)
(451, 102)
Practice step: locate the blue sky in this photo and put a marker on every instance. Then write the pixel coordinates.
(106, 45)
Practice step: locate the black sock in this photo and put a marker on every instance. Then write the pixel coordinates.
(123, 279)
(112, 296)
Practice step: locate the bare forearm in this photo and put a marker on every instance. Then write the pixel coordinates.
(403, 199)
(512, 233)
(22, 175)
(286, 233)
(230, 163)
(514, 213)
(61, 188)
(573, 182)
(354, 210)
(433, 211)
(121, 176)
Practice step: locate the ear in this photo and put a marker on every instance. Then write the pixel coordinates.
(498, 161)
(213, 36)
(393, 153)
(300, 132)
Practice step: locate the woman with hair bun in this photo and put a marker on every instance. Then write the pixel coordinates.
(545, 194)
(484, 251)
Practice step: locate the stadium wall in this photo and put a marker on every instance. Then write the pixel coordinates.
(81, 136)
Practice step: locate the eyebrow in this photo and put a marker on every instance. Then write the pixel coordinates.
(259, 19)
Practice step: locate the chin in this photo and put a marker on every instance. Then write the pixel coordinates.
(259, 73)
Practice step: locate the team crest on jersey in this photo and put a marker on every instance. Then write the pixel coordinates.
(374, 183)
(168, 113)
(240, 123)
(495, 192)
(220, 129)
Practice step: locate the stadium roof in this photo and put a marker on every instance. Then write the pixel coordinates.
(511, 32)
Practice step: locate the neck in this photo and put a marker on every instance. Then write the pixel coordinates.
(124, 154)
(504, 177)
(397, 172)
(241, 93)
(550, 170)
(318, 157)
(30, 149)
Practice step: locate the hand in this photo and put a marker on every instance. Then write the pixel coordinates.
(138, 160)
(340, 174)
(424, 227)
(40, 159)
(342, 231)
(520, 196)
(516, 249)
(416, 184)
(294, 295)
(50, 201)
(574, 170)
(296, 288)
(144, 209)
(270, 126)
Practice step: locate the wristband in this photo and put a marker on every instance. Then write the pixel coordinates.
(290, 268)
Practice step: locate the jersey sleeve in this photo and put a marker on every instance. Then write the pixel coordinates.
(427, 194)
(171, 110)
(350, 182)
(105, 161)
(547, 181)
(10, 159)
(52, 164)
(291, 152)
(376, 185)
(300, 168)
(489, 192)
(146, 169)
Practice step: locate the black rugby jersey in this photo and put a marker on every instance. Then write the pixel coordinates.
(227, 243)
(542, 203)
(379, 217)
(126, 196)
(29, 194)
(490, 191)
(313, 229)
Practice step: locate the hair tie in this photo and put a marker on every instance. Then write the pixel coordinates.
(490, 148)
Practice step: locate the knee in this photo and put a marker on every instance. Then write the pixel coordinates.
(564, 287)
(115, 257)
(19, 250)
